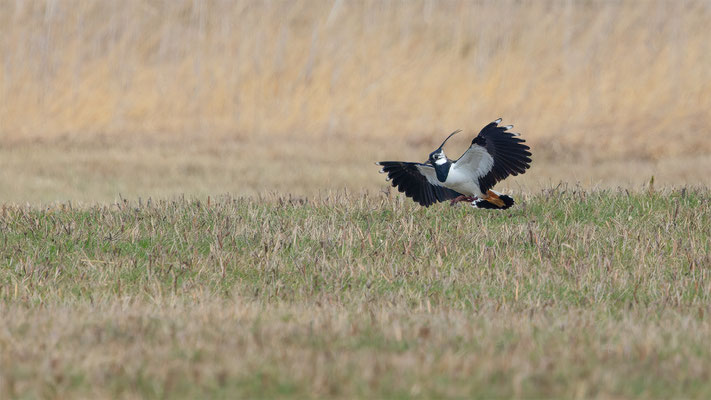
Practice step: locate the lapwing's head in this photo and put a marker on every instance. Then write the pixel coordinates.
(438, 157)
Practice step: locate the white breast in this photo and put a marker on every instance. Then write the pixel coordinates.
(460, 179)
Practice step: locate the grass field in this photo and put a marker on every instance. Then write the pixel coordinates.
(189, 205)
(187, 96)
(570, 294)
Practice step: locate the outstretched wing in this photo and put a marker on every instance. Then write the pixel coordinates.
(417, 181)
(495, 154)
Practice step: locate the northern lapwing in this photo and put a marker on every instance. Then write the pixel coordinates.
(493, 155)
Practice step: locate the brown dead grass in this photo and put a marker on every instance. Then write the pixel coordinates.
(623, 79)
(211, 348)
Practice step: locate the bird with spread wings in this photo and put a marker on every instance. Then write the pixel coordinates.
(492, 156)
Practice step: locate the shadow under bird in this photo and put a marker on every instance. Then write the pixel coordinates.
(493, 155)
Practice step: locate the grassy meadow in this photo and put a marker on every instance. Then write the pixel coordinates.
(571, 294)
(189, 206)
(155, 98)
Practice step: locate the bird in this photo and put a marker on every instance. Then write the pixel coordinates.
(494, 154)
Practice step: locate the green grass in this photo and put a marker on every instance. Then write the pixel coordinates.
(570, 293)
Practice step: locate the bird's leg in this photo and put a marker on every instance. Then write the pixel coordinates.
(461, 197)
(457, 199)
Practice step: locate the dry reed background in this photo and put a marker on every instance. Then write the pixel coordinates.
(159, 97)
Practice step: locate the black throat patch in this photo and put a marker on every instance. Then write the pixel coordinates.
(442, 170)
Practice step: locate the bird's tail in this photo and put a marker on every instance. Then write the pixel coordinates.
(494, 200)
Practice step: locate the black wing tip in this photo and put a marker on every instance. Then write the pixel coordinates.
(503, 128)
(495, 125)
